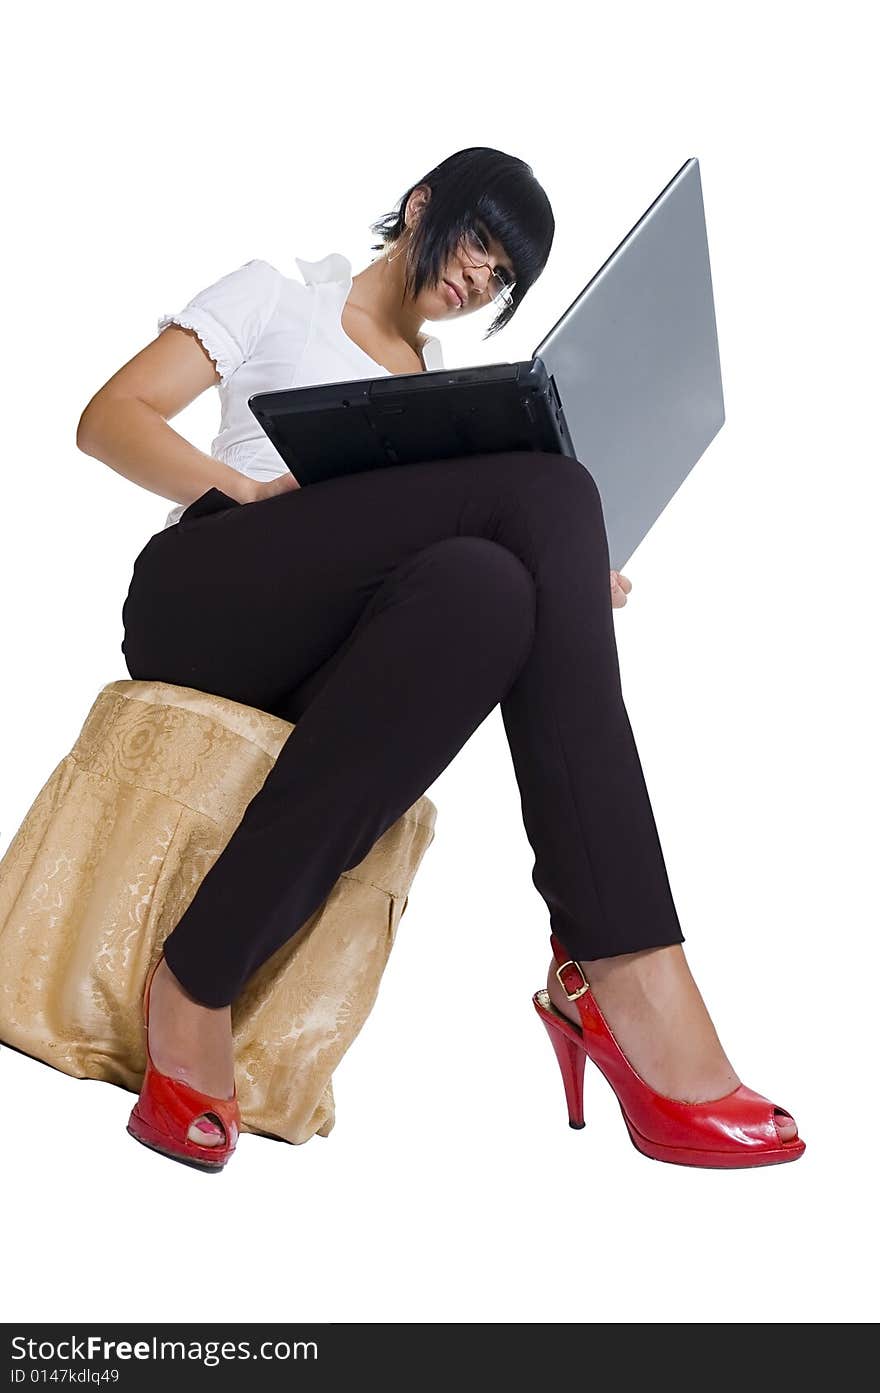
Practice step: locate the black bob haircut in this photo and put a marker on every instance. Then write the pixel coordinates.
(476, 190)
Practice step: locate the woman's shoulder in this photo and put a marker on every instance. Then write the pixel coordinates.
(293, 294)
(280, 300)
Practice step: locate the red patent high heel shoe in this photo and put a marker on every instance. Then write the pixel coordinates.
(167, 1108)
(730, 1132)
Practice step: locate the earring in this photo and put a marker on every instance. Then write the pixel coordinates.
(389, 256)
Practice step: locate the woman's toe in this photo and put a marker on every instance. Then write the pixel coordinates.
(205, 1132)
(785, 1125)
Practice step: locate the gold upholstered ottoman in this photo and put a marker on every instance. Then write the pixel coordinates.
(109, 856)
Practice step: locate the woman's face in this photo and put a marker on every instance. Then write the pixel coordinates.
(462, 275)
(469, 280)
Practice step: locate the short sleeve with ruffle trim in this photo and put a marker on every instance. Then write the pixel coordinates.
(231, 315)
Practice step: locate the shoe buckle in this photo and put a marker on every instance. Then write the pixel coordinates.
(585, 987)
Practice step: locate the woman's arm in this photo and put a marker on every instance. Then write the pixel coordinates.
(126, 422)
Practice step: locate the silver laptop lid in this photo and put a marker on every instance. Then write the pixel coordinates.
(635, 360)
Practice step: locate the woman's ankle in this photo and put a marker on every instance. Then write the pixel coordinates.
(653, 1004)
(643, 965)
(189, 1040)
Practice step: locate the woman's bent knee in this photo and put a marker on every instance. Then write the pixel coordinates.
(543, 480)
(565, 476)
(488, 590)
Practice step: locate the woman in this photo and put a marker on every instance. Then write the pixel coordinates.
(406, 603)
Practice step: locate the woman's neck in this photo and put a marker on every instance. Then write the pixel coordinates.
(378, 291)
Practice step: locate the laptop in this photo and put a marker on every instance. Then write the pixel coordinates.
(627, 381)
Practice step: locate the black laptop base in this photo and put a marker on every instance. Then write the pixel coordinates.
(339, 428)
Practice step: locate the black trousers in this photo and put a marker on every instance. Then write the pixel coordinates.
(386, 614)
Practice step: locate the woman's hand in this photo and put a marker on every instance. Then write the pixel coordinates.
(620, 588)
(268, 488)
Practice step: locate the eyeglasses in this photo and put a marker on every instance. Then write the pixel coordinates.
(501, 282)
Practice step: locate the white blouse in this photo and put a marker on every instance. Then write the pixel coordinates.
(266, 331)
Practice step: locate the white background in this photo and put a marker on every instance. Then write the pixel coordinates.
(148, 151)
